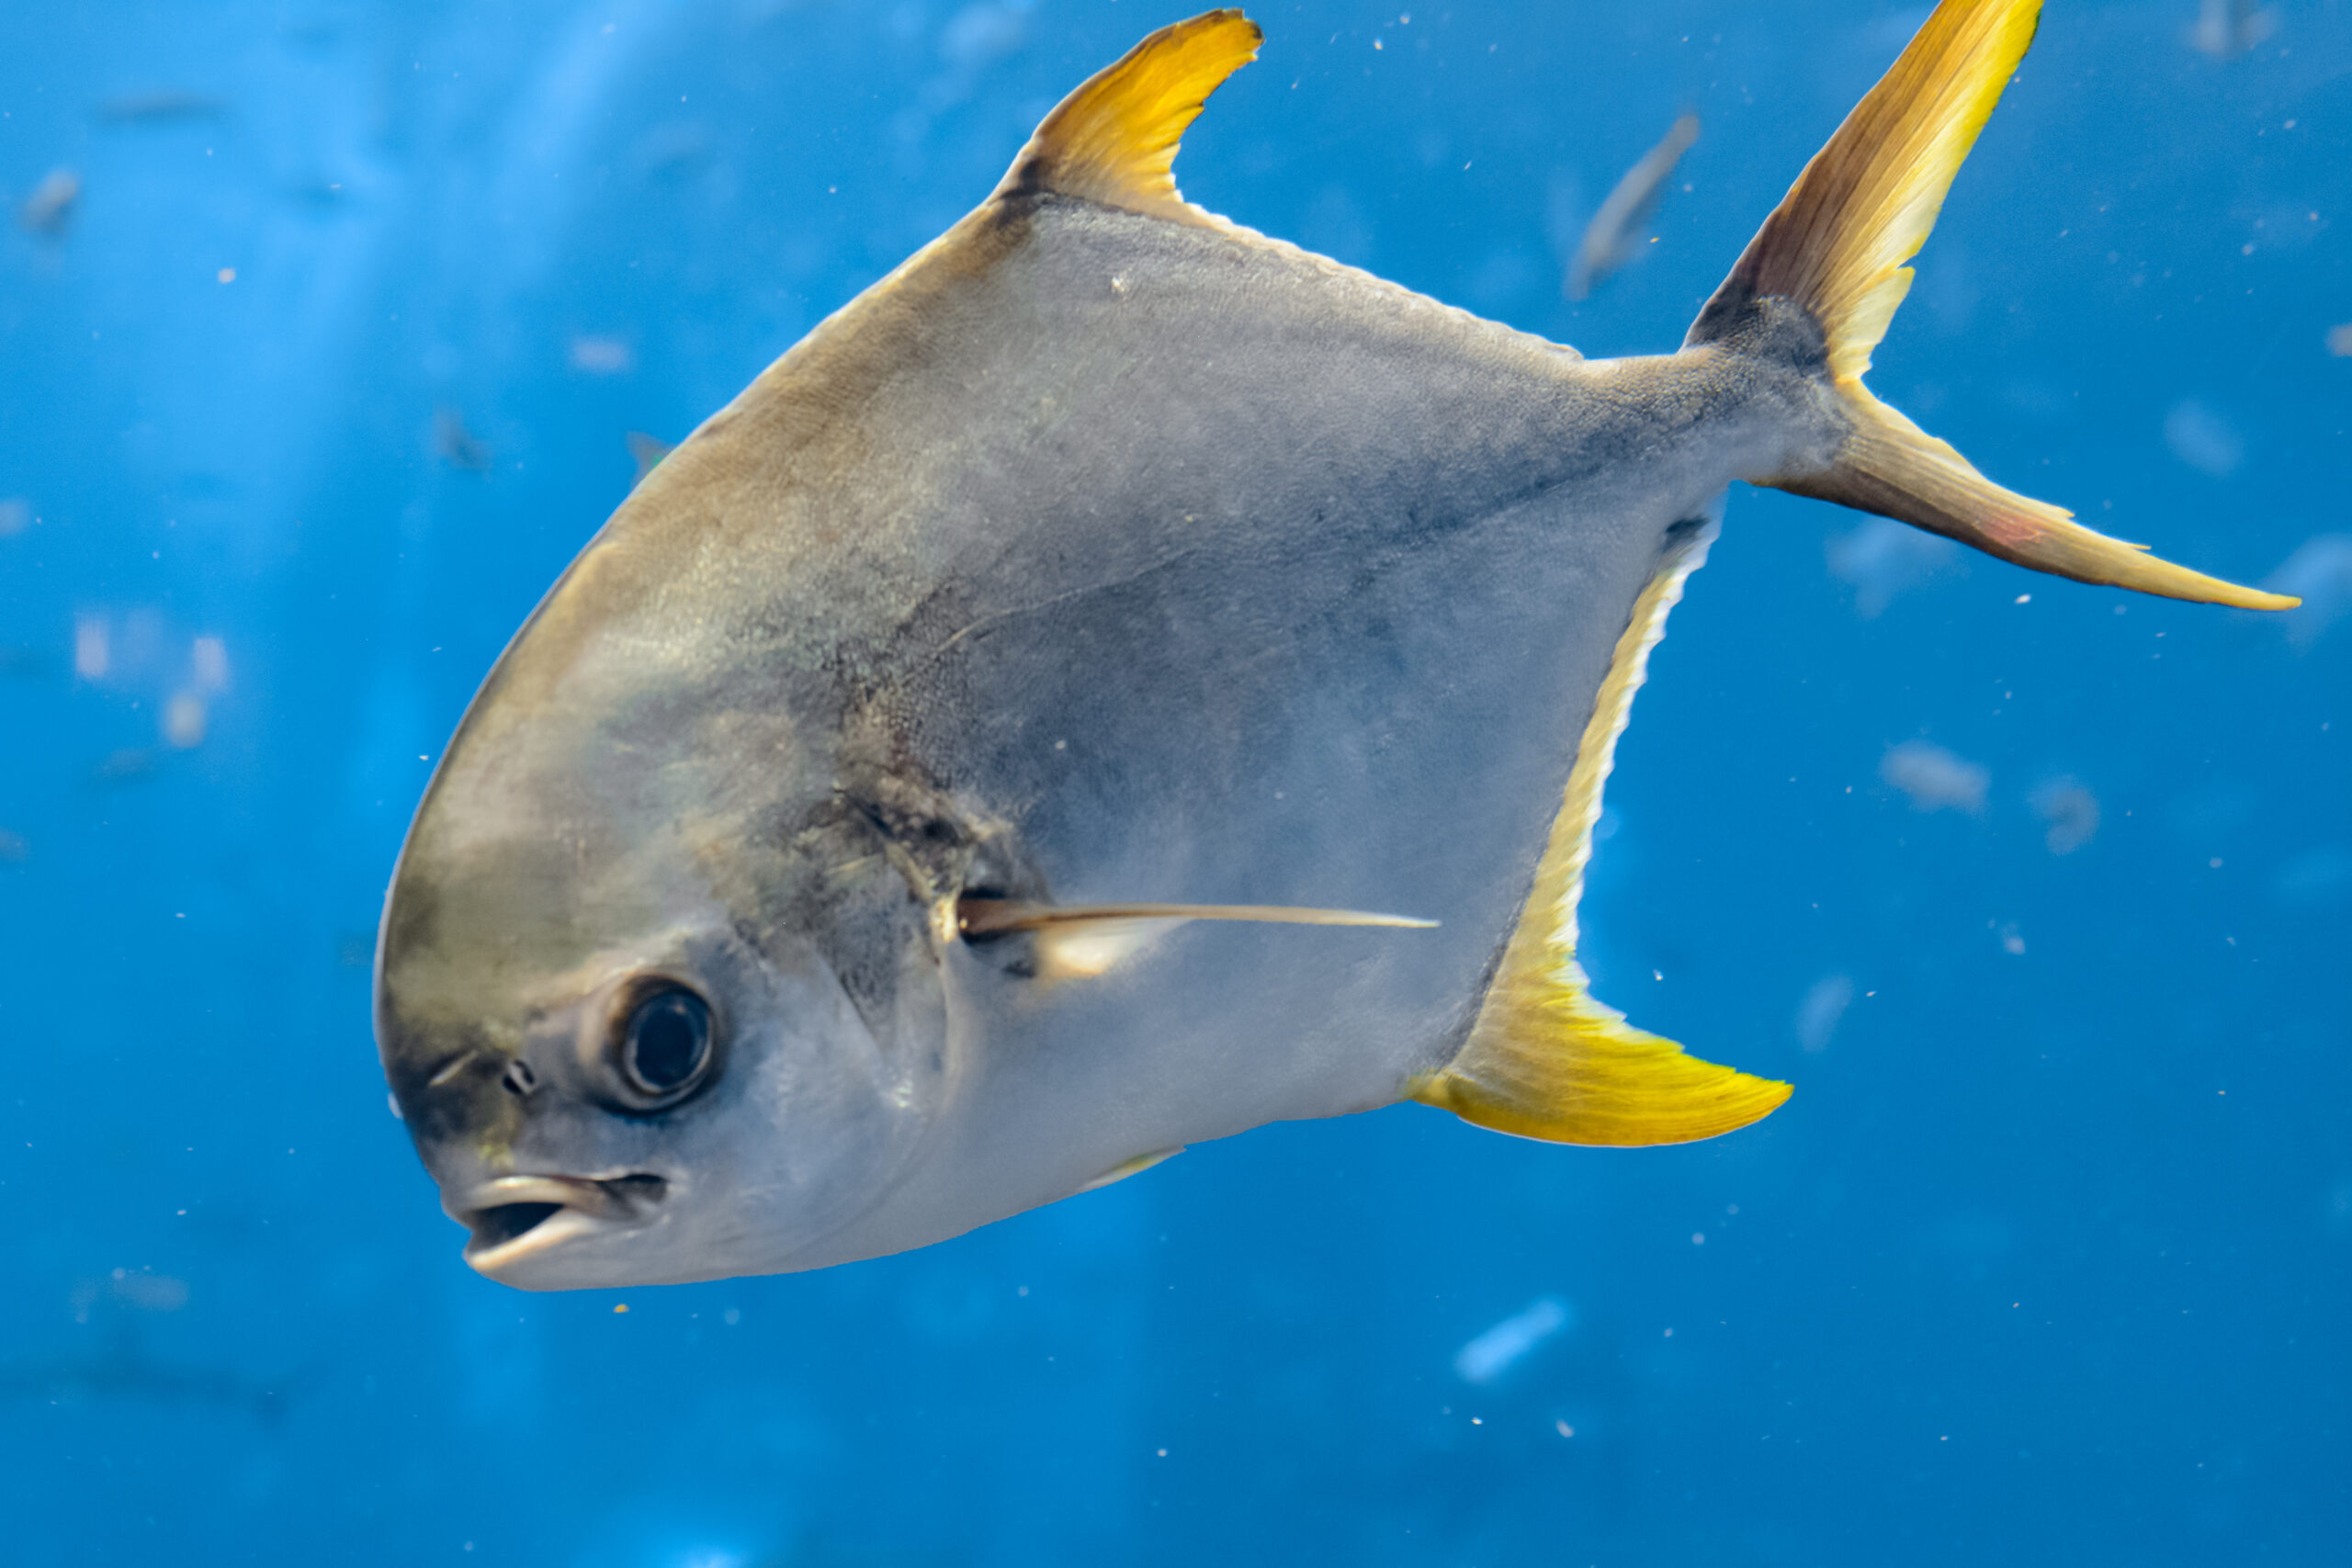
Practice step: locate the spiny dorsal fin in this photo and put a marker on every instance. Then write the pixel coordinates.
(1113, 140)
(1545, 1060)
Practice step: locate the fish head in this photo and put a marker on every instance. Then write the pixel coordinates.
(654, 1002)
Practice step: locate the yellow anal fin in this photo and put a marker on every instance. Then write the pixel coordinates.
(1113, 140)
(1545, 1060)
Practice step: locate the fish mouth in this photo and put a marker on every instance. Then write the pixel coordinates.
(516, 1218)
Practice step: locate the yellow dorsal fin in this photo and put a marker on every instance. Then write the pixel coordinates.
(1113, 140)
(1545, 1060)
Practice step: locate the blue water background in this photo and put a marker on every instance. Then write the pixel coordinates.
(2047, 1260)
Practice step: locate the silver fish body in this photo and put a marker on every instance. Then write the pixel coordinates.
(1092, 557)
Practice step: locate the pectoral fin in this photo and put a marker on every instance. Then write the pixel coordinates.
(1079, 939)
(1544, 1058)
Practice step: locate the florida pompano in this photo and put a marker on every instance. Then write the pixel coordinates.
(942, 786)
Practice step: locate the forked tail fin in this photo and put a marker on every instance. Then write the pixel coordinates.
(1835, 248)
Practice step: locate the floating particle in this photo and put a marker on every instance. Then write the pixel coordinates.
(2320, 574)
(2227, 28)
(1883, 557)
(184, 719)
(1504, 1345)
(92, 647)
(1824, 1004)
(125, 765)
(207, 658)
(148, 1293)
(982, 33)
(15, 516)
(2314, 879)
(1934, 778)
(672, 150)
(2072, 812)
(2203, 437)
(602, 355)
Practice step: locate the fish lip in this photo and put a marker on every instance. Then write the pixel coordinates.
(576, 1206)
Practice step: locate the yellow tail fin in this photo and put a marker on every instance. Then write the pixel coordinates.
(1835, 248)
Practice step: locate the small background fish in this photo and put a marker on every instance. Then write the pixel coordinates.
(1622, 221)
(1280, 1313)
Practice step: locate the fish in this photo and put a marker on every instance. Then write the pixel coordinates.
(1625, 216)
(49, 209)
(1119, 681)
(457, 446)
(121, 1369)
(645, 452)
(124, 764)
(165, 106)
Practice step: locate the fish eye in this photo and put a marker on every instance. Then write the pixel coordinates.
(663, 1047)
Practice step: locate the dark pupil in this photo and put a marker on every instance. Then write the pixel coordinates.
(667, 1037)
